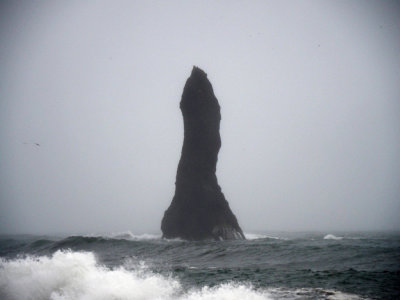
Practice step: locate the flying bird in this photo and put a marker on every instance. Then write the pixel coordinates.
(36, 144)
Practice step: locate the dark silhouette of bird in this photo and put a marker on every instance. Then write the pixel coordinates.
(36, 144)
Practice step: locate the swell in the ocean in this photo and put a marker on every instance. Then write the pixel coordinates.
(77, 275)
(266, 266)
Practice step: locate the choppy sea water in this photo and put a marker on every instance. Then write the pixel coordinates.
(265, 266)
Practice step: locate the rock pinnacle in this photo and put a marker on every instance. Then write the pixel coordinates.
(199, 210)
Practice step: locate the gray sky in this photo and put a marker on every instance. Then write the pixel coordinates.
(309, 94)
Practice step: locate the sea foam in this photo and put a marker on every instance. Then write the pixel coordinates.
(135, 237)
(332, 237)
(257, 236)
(77, 275)
(127, 235)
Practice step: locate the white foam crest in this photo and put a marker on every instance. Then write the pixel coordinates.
(77, 275)
(256, 236)
(332, 237)
(140, 237)
(128, 235)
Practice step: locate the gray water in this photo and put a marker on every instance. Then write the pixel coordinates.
(357, 265)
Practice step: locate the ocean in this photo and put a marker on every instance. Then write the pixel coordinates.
(277, 265)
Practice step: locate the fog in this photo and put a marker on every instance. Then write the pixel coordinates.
(91, 131)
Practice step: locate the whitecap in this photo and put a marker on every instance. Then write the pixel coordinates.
(256, 236)
(145, 236)
(77, 275)
(127, 235)
(332, 237)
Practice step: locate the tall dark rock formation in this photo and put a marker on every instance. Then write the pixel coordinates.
(199, 210)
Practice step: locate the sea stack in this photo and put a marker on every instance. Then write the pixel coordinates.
(199, 210)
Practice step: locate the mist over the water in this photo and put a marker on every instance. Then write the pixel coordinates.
(91, 131)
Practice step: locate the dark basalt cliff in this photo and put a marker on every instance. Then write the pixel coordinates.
(199, 210)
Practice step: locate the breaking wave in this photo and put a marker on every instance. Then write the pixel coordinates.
(332, 237)
(78, 275)
(127, 235)
(256, 236)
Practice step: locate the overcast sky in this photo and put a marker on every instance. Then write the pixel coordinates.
(91, 131)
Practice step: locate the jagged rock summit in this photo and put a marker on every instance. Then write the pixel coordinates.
(199, 210)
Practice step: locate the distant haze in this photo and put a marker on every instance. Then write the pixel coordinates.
(91, 131)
